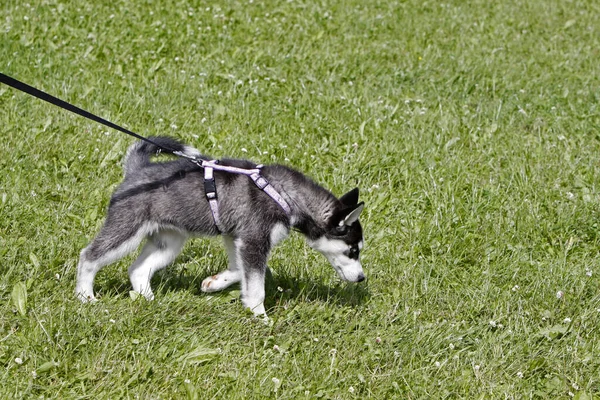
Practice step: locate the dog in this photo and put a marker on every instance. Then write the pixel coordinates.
(165, 203)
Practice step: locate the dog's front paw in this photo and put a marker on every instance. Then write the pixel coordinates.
(257, 308)
(215, 283)
(85, 297)
(210, 284)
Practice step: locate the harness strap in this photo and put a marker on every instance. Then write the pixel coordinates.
(264, 185)
(210, 188)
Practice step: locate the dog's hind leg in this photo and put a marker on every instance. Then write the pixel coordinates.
(228, 277)
(115, 240)
(160, 250)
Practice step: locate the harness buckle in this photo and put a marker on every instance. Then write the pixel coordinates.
(210, 189)
(261, 182)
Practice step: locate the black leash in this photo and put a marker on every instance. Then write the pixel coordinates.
(7, 80)
(208, 166)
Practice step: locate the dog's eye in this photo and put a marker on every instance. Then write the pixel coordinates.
(353, 252)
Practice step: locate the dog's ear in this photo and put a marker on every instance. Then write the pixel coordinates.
(350, 199)
(353, 215)
(349, 217)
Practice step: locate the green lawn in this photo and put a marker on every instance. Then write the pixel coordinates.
(472, 128)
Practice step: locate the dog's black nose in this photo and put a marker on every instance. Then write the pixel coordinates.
(361, 277)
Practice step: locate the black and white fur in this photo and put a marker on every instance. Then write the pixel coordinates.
(164, 202)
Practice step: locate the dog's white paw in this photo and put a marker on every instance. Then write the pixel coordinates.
(85, 297)
(147, 295)
(257, 309)
(216, 282)
(265, 320)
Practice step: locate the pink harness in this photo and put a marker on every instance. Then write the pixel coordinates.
(260, 181)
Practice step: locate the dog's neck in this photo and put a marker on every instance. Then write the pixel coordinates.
(312, 205)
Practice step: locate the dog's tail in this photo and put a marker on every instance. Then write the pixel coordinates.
(138, 154)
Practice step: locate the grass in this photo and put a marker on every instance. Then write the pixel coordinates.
(471, 128)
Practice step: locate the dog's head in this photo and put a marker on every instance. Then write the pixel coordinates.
(343, 239)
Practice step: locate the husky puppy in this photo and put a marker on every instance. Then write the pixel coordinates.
(165, 203)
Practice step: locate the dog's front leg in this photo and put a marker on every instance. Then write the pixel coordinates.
(231, 275)
(253, 255)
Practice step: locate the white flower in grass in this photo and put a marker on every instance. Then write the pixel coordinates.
(18, 360)
(515, 288)
(451, 346)
(567, 320)
(276, 348)
(588, 272)
(351, 389)
(112, 321)
(477, 367)
(437, 364)
(570, 196)
(493, 324)
(276, 382)
(520, 375)
(560, 294)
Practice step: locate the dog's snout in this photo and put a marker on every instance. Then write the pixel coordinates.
(361, 277)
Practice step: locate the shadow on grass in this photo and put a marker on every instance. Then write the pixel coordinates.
(278, 287)
(283, 286)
